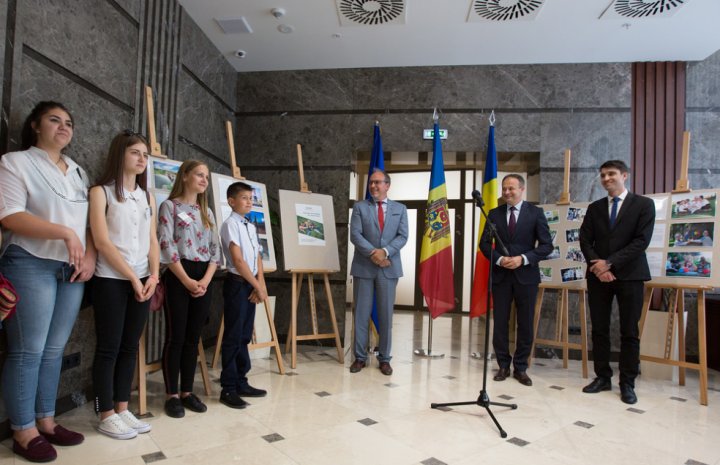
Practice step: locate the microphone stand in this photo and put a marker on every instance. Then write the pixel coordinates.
(483, 399)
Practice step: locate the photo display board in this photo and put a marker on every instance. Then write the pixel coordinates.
(308, 231)
(161, 174)
(565, 266)
(681, 251)
(259, 215)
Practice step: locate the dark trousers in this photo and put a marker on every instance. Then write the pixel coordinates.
(185, 317)
(524, 295)
(239, 315)
(119, 323)
(629, 297)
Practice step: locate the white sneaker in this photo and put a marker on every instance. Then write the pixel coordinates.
(132, 421)
(116, 428)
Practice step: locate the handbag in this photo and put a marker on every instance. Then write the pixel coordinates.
(8, 298)
(158, 298)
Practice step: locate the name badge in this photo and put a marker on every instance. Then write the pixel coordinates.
(185, 217)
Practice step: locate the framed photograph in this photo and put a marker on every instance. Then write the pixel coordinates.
(546, 273)
(575, 254)
(572, 235)
(691, 235)
(553, 216)
(161, 173)
(689, 264)
(694, 205)
(553, 235)
(555, 254)
(259, 215)
(576, 214)
(575, 273)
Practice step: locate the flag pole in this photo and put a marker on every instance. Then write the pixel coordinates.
(429, 352)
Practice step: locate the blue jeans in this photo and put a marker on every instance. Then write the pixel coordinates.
(36, 334)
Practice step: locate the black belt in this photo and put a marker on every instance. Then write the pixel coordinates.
(236, 277)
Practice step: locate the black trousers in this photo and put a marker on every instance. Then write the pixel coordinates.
(524, 295)
(185, 317)
(119, 323)
(239, 315)
(629, 296)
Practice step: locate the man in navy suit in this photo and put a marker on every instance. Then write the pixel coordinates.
(523, 229)
(613, 237)
(378, 230)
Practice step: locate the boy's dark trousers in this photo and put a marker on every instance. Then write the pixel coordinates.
(239, 315)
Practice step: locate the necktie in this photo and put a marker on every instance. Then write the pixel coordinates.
(512, 221)
(613, 212)
(381, 216)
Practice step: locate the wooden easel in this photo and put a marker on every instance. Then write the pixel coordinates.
(297, 279)
(676, 323)
(273, 342)
(144, 368)
(562, 320)
(676, 314)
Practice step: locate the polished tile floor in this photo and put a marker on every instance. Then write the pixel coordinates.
(321, 414)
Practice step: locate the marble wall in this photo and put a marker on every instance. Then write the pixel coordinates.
(96, 56)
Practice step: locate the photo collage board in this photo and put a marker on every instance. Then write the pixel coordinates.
(565, 266)
(681, 251)
(161, 175)
(683, 246)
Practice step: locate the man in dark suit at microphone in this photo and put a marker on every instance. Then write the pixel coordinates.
(524, 231)
(613, 237)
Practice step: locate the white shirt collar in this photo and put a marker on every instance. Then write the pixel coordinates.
(621, 196)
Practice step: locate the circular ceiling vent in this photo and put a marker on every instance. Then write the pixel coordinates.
(506, 10)
(371, 12)
(645, 8)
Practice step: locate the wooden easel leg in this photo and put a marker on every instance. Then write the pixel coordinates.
(338, 345)
(203, 368)
(582, 295)
(297, 283)
(681, 333)
(313, 304)
(273, 335)
(536, 322)
(218, 345)
(564, 325)
(702, 350)
(646, 306)
(142, 374)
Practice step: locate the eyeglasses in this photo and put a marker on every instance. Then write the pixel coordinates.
(131, 133)
(372, 183)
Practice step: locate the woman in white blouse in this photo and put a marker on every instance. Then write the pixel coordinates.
(190, 249)
(122, 221)
(48, 256)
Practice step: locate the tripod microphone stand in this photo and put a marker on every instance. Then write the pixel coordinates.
(483, 399)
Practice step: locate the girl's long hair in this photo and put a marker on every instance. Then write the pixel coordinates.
(115, 162)
(178, 189)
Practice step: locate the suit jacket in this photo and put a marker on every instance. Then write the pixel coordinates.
(365, 236)
(531, 238)
(624, 245)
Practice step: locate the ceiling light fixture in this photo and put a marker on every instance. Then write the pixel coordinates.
(286, 28)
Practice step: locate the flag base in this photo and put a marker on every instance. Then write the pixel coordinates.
(427, 354)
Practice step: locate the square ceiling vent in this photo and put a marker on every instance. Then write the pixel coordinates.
(371, 12)
(637, 9)
(503, 11)
(234, 25)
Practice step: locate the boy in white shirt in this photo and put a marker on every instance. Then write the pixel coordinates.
(243, 288)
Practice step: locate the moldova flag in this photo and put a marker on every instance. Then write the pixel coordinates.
(436, 266)
(377, 160)
(490, 196)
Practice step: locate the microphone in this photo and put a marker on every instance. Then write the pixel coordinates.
(478, 197)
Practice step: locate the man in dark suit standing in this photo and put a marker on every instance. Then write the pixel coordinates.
(613, 237)
(523, 229)
(378, 230)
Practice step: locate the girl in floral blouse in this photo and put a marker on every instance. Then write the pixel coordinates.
(189, 248)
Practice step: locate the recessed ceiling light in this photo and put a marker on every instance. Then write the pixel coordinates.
(286, 28)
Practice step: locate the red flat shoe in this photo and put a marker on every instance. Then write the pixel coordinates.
(38, 450)
(64, 437)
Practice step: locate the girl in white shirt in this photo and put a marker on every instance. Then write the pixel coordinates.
(122, 219)
(48, 256)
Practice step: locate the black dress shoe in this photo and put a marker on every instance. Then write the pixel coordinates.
(357, 365)
(597, 385)
(522, 377)
(627, 394)
(385, 368)
(192, 402)
(232, 400)
(502, 374)
(249, 391)
(174, 408)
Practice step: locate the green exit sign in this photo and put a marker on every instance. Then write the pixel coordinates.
(430, 134)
